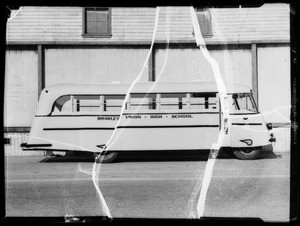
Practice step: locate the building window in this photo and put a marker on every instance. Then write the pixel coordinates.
(97, 22)
(204, 18)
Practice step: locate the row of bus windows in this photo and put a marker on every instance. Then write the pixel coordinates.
(113, 103)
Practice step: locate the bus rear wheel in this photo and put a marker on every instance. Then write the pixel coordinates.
(107, 157)
(247, 153)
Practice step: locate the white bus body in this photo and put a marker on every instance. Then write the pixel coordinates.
(157, 117)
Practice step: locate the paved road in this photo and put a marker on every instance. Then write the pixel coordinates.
(149, 187)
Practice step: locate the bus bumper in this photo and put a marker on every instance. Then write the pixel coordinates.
(28, 146)
(272, 139)
(269, 147)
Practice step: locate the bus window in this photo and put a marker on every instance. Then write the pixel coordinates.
(173, 101)
(142, 101)
(62, 105)
(204, 101)
(86, 103)
(113, 103)
(212, 102)
(242, 102)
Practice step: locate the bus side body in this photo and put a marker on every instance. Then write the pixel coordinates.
(155, 121)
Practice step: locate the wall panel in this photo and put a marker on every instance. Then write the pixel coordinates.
(274, 91)
(103, 65)
(191, 65)
(20, 87)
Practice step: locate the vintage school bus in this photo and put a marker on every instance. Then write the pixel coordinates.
(157, 117)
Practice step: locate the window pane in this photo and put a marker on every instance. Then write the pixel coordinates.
(204, 19)
(142, 101)
(173, 101)
(62, 105)
(204, 101)
(87, 103)
(242, 102)
(102, 27)
(91, 15)
(250, 103)
(113, 103)
(102, 16)
(91, 27)
(197, 102)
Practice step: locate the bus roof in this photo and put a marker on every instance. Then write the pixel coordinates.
(151, 87)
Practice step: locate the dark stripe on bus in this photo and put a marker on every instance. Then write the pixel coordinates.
(82, 128)
(252, 113)
(173, 113)
(132, 127)
(147, 150)
(243, 124)
(179, 126)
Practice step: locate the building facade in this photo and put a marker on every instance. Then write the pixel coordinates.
(51, 45)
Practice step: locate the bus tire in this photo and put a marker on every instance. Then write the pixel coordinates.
(247, 153)
(107, 158)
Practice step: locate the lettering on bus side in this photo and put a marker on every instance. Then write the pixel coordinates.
(174, 116)
(133, 117)
(156, 116)
(107, 118)
(182, 116)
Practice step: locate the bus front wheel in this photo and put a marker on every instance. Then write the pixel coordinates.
(107, 157)
(247, 153)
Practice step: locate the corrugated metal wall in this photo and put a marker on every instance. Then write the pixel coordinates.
(189, 64)
(21, 87)
(274, 90)
(283, 139)
(182, 65)
(270, 22)
(47, 23)
(104, 65)
(235, 65)
(20, 96)
(64, 24)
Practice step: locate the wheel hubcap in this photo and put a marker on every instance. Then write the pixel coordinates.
(247, 151)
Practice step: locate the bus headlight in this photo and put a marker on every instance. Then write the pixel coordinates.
(269, 126)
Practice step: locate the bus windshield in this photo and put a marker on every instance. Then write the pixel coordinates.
(242, 103)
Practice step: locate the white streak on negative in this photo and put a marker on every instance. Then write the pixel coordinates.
(114, 136)
(224, 108)
(9, 19)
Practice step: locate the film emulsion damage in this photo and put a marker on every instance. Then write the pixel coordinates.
(196, 98)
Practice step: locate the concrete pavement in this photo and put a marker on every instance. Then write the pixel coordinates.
(149, 188)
